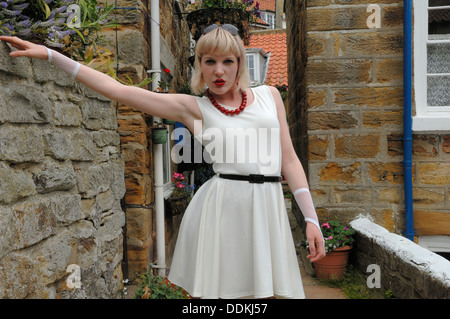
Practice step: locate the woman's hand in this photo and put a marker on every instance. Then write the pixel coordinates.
(315, 240)
(25, 48)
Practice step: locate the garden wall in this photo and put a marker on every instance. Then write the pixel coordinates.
(61, 182)
(408, 270)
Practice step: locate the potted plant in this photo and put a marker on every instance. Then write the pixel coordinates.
(240, 13)
(159, 133)
(181, 196)
(338, 243)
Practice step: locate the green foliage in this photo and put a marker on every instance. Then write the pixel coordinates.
(156, 287)
(354, 286)
(69, 25)
(337, 235)
(249, 6)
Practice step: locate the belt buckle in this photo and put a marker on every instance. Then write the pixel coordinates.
(256, 178)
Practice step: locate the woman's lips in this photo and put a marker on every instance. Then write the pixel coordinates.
(219, 82)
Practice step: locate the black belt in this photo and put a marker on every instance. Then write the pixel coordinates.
(252, 178)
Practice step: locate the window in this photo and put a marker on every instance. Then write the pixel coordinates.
(269, 18)
(251, 66)
(257, 64)
(432, 65)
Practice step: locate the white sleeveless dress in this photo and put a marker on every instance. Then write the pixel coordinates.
(235, 240)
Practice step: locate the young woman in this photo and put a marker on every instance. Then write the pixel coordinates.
(235, 239)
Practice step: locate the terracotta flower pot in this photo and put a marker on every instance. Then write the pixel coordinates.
(334, 264)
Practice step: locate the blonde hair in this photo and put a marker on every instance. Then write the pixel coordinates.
(219, 42)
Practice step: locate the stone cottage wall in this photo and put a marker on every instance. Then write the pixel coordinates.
(61, 182)
(134, 55)
(355, 121)
(355, 101)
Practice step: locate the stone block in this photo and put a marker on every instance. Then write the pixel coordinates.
(352, 195)
(337, 18)
(23, 103)
(371, 43)
(383, 119)
(318, 147)
(77, 145)
(93, 179)
(332, 120)
(357, 146)
(386, 173)
(54, 176)
(348, 71)
(368, 96)
(21, 144)
(20, 67)
(34, 220)
(389, 71)
(428, 197)
(97, 114)
(434, 173)
(339, 173)
(66, 114)
(19, 275)
(316, 98)
(14, 184)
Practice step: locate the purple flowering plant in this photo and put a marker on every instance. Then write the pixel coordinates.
(250, 6)
(69, 25)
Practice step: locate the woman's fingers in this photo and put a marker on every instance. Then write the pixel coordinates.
(25, 48)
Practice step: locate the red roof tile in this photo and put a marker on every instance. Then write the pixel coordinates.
(273, 41)
(266, 5)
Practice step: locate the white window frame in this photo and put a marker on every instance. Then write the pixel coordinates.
(167, 168)
(427, 118)
(438, 244)
(256, 62)
(265, 15)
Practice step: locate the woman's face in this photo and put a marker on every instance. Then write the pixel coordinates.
(219, 72)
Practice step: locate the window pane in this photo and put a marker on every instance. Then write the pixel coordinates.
(438, 19)
(251, 66)
(438, 90)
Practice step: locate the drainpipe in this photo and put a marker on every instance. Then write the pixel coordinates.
(158, 148)
(407, 117)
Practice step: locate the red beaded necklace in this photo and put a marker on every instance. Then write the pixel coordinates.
(224, 110)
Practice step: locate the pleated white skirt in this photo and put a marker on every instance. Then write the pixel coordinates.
(235, 241)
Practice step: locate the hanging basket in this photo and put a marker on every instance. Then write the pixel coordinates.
(333, 265)
(177, 205)
(169, 122)
(200, 19)
(159, 135)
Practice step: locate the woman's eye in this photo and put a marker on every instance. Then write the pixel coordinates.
(210, 61)
(229, 61)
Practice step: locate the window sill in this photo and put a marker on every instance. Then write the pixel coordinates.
(431, 123)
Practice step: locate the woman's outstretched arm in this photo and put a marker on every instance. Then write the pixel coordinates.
(178, 107)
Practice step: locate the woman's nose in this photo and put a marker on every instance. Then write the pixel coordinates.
(219, 69)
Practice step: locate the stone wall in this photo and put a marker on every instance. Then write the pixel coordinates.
(61, 182)
(134, 48)
(355, 121)
(405, 268)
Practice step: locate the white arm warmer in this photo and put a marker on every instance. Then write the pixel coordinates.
(59, 60)
(304, 200)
